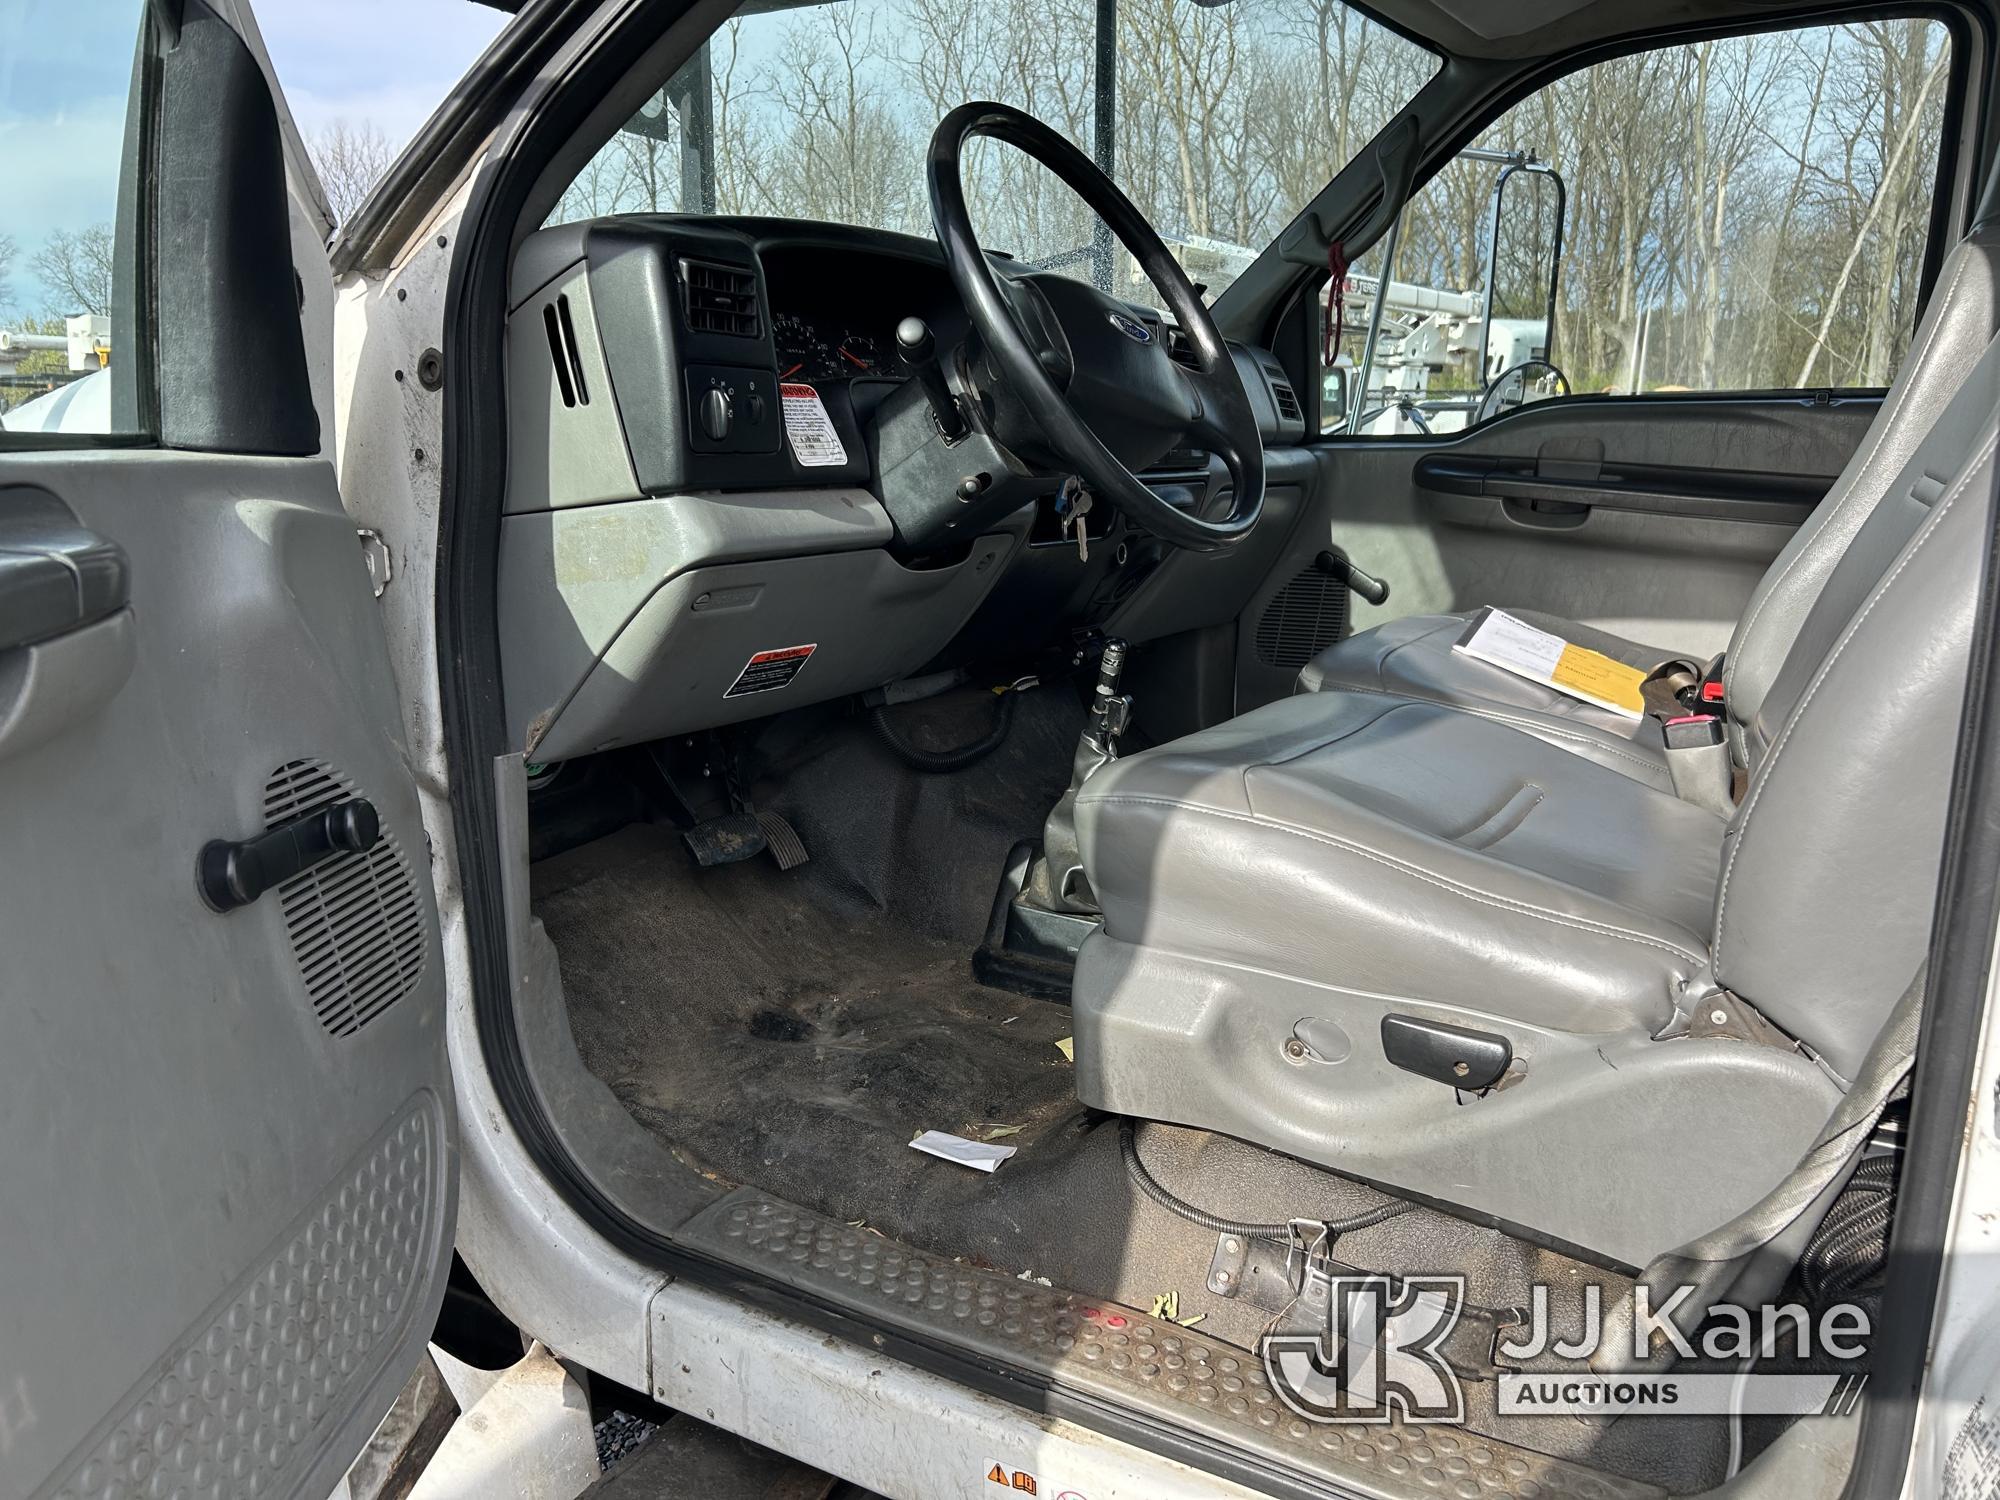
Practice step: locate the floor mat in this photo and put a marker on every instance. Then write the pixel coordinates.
(773, 1040)
(793, 1030)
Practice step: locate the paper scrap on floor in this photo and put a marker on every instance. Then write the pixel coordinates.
(982, 1155)
(1497, 637)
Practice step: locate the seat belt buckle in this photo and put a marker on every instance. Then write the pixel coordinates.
(1698, 761)
(1708, 696)
(1694, 731)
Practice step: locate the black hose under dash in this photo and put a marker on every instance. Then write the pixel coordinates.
(938, 762)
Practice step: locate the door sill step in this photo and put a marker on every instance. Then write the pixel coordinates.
(1125, 1357)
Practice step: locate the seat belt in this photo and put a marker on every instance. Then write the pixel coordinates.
(1687, 701)
(1714, 1263)
(1698, 761)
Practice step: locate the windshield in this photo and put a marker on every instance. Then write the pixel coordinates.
(1220, 121)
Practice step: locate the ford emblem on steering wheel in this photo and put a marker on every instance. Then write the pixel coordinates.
(1132, 328)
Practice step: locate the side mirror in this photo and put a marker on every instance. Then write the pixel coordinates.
(1531, 380)
(1523, 274)
(1333, 396)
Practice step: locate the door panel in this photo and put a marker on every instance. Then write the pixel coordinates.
(228, 1144)
(229, 1155)
(1650, 518)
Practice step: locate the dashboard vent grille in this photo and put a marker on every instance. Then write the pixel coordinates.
(564, 354)
(355, 921)
(1180, 351)
(1303, 618)
(1287, 399)
(719, 299)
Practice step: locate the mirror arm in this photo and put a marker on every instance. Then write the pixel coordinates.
(1375, 325)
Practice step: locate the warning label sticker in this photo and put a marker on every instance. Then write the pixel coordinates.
(809, 429)
(769, 670)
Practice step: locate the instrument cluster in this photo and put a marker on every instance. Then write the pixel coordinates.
(818, 349)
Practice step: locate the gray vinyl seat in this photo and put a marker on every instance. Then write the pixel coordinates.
(1684, 997)
(1412, 657)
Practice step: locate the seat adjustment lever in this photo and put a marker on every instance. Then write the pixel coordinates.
(235, 874)
(1457, 1055)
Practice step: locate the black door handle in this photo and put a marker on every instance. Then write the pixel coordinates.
(235, 874)
(56, 575)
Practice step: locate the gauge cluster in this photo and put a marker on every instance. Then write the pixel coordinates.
(819, 349)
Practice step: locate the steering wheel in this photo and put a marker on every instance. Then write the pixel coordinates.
(1497, 395)
(1078, 361)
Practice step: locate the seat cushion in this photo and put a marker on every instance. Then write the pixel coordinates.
(1413, 850)
(1412, 658)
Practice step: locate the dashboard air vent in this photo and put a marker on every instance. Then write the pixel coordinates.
(1287, 399)
(1180, 351)
(564, 353)
(719, 299)
(1303, 618)
(355, 921)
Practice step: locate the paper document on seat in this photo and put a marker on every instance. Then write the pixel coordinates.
(1496, 637)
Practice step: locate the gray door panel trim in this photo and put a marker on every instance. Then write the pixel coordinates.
(195, 1113)
(1651, 572)
(1713, 494)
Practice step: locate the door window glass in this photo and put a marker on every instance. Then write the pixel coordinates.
(1740, 214)
(65, 81)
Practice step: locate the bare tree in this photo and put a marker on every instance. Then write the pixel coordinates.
(350, 160)
(1740, 210)
(7, 253)
(76, 268)
(1887, 190)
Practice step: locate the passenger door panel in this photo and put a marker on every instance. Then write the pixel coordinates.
(1650, 517)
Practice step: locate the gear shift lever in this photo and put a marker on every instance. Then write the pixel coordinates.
(1057, 883)
(917, 349)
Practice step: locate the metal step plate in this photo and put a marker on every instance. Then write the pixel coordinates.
(1122, 1355)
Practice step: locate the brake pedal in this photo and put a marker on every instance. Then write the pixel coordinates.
(728, 840)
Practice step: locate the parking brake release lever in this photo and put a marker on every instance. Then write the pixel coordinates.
(917, 350)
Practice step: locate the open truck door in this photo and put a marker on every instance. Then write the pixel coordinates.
(229, 1152)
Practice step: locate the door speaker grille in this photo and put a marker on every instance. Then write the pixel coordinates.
(355, 922)
(1303, 618)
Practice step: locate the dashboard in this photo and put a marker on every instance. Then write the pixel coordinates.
(709, 435)
(834, 311)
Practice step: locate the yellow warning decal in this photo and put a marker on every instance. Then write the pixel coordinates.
(1591, 674)
(997, 1475)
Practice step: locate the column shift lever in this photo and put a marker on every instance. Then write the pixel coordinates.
(917, 350)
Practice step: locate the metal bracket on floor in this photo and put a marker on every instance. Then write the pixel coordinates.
(1293, 1280)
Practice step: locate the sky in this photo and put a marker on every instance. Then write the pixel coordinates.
(65, 66)
(387, 62)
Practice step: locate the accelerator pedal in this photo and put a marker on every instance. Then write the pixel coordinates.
(786, 847)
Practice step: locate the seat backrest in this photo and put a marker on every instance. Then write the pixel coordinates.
(1830, 866)
(1962, 316)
